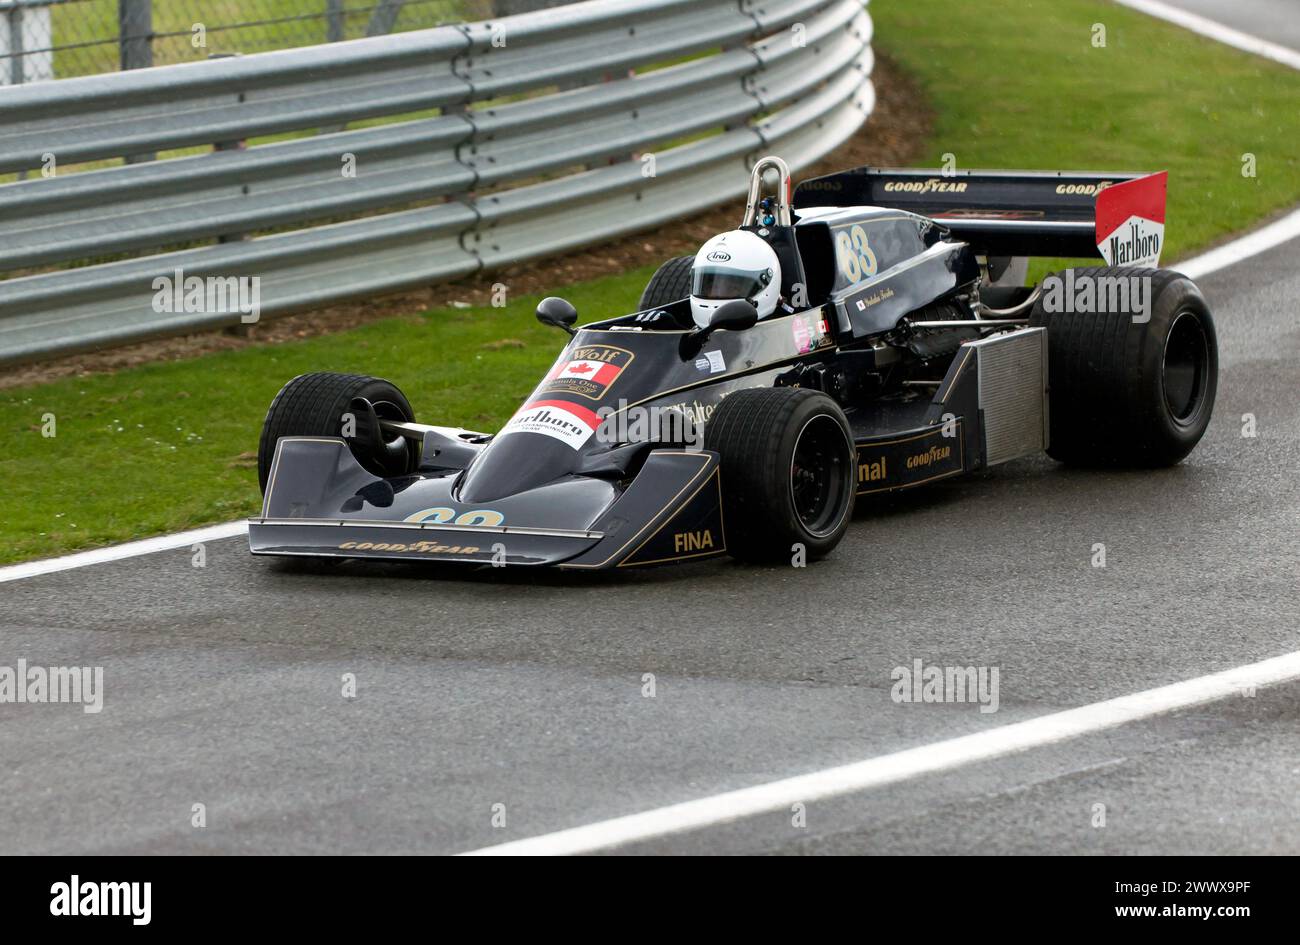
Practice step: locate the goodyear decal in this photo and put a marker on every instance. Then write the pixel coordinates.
(910, 459)
(589, 371)
(414, 547)
(931, 185)
(1086, 190)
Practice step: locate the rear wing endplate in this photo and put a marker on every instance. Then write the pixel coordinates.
(1119, 217)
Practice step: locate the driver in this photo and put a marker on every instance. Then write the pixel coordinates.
(735, 265)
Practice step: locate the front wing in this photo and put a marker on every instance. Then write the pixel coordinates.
(671, 511)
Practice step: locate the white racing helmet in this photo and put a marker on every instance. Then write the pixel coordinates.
(734, 265)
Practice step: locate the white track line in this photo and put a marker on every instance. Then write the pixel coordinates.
(1252, 244)
(16, 572)
(1216, 31)
(1280, 231)
(903, 765)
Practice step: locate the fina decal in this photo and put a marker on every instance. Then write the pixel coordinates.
(571, 424)
(1131, 221)
(589, 372)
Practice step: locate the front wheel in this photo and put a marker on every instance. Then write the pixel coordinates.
(346, 405)
(788, 472)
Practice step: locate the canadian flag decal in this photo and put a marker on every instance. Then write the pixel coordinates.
(588, 371)
(597, 372)
(1131, 221)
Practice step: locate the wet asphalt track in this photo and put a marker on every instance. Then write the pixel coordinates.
(474, 689)
(223, 683)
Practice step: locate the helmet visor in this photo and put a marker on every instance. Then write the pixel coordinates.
(717, 282)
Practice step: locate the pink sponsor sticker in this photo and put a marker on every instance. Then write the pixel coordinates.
(803, 335)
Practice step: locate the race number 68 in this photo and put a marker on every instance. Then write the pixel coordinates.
(856, 259)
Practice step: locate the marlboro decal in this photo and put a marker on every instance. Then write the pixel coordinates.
(589, 371)
(1131, 221)
(571, 424)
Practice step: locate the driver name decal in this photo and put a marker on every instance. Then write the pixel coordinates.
(571, 424)
(589, 372)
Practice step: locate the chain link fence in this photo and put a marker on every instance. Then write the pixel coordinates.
(58, 39)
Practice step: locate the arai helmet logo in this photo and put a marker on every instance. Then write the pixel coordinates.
(718, 256)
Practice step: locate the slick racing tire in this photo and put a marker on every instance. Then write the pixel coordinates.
(320, 404)
(1128, 387)
(788, 472)
(670, 283)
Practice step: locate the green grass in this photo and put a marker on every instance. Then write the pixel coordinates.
(1016, 84)
(89, 28)
(169, 446)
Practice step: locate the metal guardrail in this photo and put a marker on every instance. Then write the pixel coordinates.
(492, 169)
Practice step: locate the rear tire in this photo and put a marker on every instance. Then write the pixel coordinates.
(670, 283)
(315, 405)
(1126, 392)
(788, 472)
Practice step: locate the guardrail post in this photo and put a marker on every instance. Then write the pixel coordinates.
(511, 7)
(135, 45)
(16, 46)
(384, 18)
(334, 21)
(135, 33)
(16, 58)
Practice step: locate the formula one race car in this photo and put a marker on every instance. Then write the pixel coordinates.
(857, 337)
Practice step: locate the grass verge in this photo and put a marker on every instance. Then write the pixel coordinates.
(1017, 84)
(1020, 84)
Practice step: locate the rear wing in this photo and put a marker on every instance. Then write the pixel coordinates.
(1120, 217)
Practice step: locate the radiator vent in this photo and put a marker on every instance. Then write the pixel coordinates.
(1013, 393)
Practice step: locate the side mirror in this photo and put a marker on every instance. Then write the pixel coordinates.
(736, 315)
(557, 312)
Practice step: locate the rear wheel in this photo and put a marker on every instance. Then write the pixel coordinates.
(788, 466)
(325, 404)
(1133, 385)
(670, 283)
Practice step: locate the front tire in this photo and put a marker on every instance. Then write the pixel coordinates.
(788, 472)
(320, 404)
(1124, 391)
